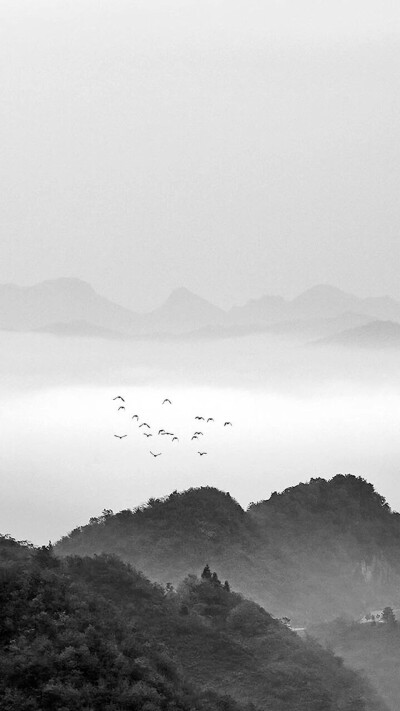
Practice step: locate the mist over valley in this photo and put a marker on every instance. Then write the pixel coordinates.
(298, 411)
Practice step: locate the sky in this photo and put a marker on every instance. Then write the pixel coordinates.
(235, 148)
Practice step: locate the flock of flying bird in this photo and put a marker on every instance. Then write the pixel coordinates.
(162, 432)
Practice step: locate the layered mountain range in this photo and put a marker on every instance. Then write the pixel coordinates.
(312, 552)
(71, 307)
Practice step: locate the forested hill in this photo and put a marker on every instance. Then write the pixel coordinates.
(312, 552)
(92, 634)
(372, 647)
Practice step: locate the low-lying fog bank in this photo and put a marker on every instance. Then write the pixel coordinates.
(297, 412)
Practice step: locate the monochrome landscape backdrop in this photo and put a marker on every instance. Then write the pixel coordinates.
(199, 355)
(310, 385)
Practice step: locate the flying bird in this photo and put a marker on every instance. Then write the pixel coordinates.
(161, 432)
(120, 436)
(167, 400)
(197, 433)
(121, 407)
(198, 418)
(119, 398)
(195, 437)
(173, 438)
(135, 417)
(156, 455)
(227, 423)
(210, 419)
(147, 435)
(144, 424)
(201, 453)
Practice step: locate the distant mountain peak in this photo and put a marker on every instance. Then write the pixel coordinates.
(323, 289)
(323, 292)
(183, 296)
(66, 284)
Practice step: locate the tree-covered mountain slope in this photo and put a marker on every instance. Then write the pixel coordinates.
(67, 646)
(92, 633)
(373, 648)
(313, 552)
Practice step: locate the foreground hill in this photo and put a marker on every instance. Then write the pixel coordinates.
(372, 648)
(91, 633)
(311, 553)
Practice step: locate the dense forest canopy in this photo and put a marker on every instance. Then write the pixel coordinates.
(311, 552)
(87, 633)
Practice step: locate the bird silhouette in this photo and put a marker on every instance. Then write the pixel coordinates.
(119, 397)
(145, 434)
(169, 433)
(199, 433)
(210, 419)
(135, 417)
(120, 436)
(201, 453)
(156, 455)
(173, 438)
(121, 407)
(167, 400)
(195, 437)
(144, 424)
(161, 432)
(227, 423)
(199, 418)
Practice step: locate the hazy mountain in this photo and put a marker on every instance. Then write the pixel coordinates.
(266, 309)
(323, 301)
(183, 311)
(299, 330)
(52, 303)
(376, 334)
(311, 553)
(93, 633)
(319, 302)
(309, 328)
(61, 301)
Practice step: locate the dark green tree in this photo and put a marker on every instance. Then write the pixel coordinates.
(215, 579)
(206, 574)
(388, 616)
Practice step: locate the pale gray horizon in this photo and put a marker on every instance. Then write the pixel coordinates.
(236, 149)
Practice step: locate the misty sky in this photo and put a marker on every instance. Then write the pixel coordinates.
(236, 148)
